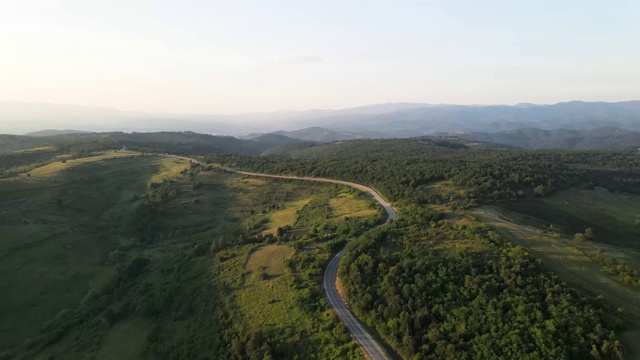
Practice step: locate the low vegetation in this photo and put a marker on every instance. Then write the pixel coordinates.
(155, 257)
(160, 263)
(611, 216)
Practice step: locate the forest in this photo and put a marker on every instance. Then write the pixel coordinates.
(402, 169)
(441, 290)
(189, 264)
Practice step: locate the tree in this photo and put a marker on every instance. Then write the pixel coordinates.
(539, 190)
(588, 233)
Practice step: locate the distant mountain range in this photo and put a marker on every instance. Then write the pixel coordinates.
(574, 115)
(573, 124)
(23, 117)
(576, 124)
(378, 120)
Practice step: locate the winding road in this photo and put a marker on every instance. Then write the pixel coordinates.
(362, 336)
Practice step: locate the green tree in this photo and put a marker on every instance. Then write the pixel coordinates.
(588, 233)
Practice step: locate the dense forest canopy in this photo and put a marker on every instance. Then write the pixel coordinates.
(403, 168)
(442, 290)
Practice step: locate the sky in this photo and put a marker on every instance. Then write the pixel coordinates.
(227, 57)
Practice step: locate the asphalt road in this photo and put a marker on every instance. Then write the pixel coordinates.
(362, 336)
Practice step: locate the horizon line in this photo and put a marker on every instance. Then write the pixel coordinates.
(419, 105)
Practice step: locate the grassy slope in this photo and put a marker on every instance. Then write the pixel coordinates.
(71, 232)
(52, 246)
(610, 215)
(271, 258)
(20, 161)
(272, 284)
(286, 216)
(347, 205)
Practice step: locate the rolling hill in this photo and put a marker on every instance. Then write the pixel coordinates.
(574, 115)
(54, 132)
(173, 142)
(378, 120)
(320, 134)
(599, 138)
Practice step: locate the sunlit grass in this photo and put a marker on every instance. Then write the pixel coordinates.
(286, 216)
(346, 205)
(169, 168)
(271, 258)
(56, 167)
(41, 148)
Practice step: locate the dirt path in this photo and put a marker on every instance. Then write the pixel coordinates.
(559, 256)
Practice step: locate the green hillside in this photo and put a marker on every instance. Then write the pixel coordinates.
(144, 256)
(154, 257)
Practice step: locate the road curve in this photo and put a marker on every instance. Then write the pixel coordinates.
(362, 336)
(391, 214)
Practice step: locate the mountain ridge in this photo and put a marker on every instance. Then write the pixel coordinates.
(387, 119)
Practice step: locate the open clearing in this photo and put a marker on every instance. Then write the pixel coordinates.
(346, 205)
(269, 305)
(169, 169)
(271, 258)
(41, 148)
(286, 216)
(612, 216)
(59, 166)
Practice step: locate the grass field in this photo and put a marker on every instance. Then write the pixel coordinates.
(271, 258)
(347, 205)
(612, 216)
(17, 162)
(267, 301)
(286, 216)
(169, 170)
(41, 148)
(58, 166)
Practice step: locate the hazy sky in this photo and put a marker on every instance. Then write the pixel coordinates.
(245, 56)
